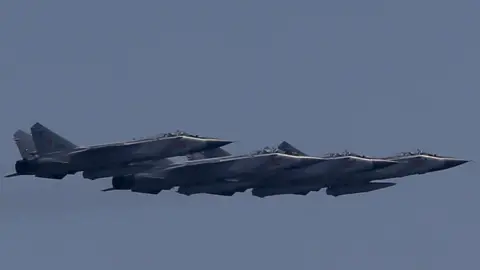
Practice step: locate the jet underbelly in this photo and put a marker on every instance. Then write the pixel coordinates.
(284, 190)
(215, 188)
(146, 184)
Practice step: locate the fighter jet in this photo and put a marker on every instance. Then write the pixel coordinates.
(57, 157)
(43, 164)
(410, 163)
(341, 164)
(327, 166)
(407, 164)
(211, 171)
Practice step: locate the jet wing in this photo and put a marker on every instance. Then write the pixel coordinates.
(210, 169)
(107, 154)
(122, 152)
(99, 150)
(204, 170)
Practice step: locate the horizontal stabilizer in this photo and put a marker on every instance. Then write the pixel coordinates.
(146, 191)
(49, 175)
(11, 175)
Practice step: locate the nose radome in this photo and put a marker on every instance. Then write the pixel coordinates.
(450, 163)
(380, 164)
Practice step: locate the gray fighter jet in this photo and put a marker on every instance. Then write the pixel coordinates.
(332, 165)
(346, 164)
(327, 166)
(56, 156)
(410, 163)
(211, 170)
(407, 164)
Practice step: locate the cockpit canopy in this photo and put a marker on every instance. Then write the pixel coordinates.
(174, 134)
(345, 153)
(418, 152)
(268, 150)
(178, 133)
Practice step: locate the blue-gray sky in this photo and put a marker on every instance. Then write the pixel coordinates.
(376, 77)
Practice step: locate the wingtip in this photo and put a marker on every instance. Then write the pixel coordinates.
(219, 143)
(227, 142)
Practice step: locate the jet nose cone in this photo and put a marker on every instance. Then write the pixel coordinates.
(380, 164)
(450, 163)
(212, 144)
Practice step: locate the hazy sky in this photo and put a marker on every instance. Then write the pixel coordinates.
(376, 77)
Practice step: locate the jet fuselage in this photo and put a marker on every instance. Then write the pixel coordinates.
(112, 159)
(316, 174)
(214, 170)
(360, 182)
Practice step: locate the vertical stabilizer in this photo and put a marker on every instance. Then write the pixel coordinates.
(47, 141)
(213, 153)
(25, 144)
(290, 149)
